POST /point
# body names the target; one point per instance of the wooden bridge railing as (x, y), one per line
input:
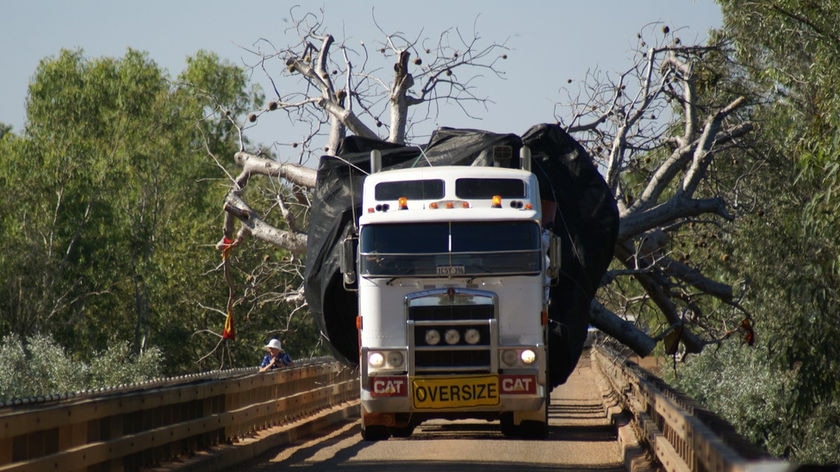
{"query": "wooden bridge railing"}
(682, 435)
(131, 430)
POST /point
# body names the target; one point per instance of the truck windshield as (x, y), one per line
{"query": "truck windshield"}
(450, 249)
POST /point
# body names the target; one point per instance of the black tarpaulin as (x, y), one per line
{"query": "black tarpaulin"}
(586, 218)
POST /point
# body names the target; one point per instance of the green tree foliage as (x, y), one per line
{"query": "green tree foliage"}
(108, 206)
(739, 384)
(37, 365)
(785, 392)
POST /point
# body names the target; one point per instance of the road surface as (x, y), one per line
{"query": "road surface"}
(580, 439)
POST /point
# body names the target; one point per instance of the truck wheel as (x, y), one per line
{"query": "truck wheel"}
(529, 429)
(402, 432)
(374, 433)
(508, 428)
(533, 429)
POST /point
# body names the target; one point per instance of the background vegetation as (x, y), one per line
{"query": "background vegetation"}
(112, 204)
(111, 208)
(784, 392)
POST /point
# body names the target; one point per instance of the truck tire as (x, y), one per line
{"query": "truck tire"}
(531, 429)
(374, 433)
(402, 432)
(507, 426)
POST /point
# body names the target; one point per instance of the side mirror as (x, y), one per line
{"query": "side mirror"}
(555, 256)
(348, 259)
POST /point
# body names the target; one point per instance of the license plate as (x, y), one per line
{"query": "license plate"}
(451, 270)
(455, 392)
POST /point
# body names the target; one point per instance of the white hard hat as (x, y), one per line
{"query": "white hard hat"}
(274, 343)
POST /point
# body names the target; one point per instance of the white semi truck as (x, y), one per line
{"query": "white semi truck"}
(452, 269)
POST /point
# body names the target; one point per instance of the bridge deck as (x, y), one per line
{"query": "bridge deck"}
(581, 438)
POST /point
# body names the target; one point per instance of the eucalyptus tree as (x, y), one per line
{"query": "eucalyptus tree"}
(108, 208)
(785, 56)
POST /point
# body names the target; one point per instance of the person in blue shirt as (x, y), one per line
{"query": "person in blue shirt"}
(276, 357)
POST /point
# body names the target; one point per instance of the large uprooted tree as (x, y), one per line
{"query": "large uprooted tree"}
(653, 132)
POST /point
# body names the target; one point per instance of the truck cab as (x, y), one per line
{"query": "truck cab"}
(452, 269)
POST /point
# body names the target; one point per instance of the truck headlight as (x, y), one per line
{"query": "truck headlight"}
(376, 359)
(528, 356)
(386, 359)
(518, 357)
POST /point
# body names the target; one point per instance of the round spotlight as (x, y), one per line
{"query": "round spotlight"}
(376, 359)
(432, 337)
(452, 336)
(395, 359)
(472, 336)
(528, 356)
(509, 357)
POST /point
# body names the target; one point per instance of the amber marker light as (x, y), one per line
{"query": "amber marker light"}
(433, 205)
(496, 201)
(403, 203)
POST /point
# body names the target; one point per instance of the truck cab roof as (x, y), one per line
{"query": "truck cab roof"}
(451, 193)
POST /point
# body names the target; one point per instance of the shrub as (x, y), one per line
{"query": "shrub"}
(741, 385)
(38, 366)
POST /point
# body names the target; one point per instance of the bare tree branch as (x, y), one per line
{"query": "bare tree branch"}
(643, 128)
(634, 224)
(294, 242)
(628, 123)
(252, 164)
(624, 330)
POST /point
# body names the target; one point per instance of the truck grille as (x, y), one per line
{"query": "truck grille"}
(446, 361)
(452, 331)
(451, 312)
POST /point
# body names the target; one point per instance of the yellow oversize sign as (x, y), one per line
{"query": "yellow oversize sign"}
(455, 392)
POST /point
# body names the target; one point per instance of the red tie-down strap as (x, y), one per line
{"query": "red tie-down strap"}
(229, 332)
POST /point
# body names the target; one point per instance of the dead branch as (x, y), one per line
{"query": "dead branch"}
(623, 330)
(237, 208)
(251, 164)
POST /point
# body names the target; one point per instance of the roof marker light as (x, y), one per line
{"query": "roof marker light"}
(496, 201)
(450, 205)
(433, 205)
(403, 202)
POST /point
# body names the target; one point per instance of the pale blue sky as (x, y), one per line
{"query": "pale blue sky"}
(551, 41)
